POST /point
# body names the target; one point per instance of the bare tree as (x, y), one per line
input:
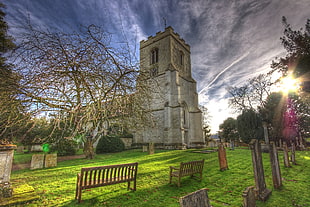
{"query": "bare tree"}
(252, 94)
(79, 78)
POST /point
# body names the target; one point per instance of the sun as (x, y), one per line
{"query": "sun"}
(289, 84)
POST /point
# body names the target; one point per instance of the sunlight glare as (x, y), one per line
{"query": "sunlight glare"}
(288, 84)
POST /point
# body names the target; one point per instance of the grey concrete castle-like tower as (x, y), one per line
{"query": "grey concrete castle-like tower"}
(165, 58)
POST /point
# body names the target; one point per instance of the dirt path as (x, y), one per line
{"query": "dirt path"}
(59, 159)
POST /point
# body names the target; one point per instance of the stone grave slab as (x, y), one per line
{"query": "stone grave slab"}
(222, 157)
(196, 199)
(37, 161)
(249, 197)
(50, 160)
(20, 149)
(151, 148)
(275, 166)
(144, 148)
(285, 155)
(261, 191)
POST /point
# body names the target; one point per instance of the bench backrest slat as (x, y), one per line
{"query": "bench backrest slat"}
(191, 167)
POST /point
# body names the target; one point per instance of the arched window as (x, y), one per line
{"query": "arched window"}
(154, 56)
(181, 58)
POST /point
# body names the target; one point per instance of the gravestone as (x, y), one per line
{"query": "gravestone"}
(293, 149)
(20, 149)
(222, 157)
(36, 148)
(151, 148)
(50, 160)
(196, 199)
(144, 148)
(249, 197)
(285, 155)
(301, 144)
(275, 166)
(261, 191)
(37, 161)
(6, 160)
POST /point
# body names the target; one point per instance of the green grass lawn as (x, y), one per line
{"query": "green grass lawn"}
(56, 186)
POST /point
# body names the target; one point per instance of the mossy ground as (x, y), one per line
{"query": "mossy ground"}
(56, 186)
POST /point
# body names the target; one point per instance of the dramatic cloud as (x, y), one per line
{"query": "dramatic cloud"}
(231, 40)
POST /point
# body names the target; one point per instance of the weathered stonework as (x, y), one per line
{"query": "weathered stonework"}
(177, 120)
(261, 191)
(37, 161)
(249, 199)
(275, 166)
(222, 157)
(50, 160)
(6, 161)
(198, 198)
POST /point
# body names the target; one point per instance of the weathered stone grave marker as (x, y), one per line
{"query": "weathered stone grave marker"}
(37, 161)
(50, 160)
(151, 148)
(6, 160)
(20, 149)
(261, 191)
(275, 166)
(285, 155)
(144, 148)
(249, 197)
(293, 149)
(196, 199)
(222, 157)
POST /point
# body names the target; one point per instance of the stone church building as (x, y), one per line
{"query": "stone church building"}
(177, 120)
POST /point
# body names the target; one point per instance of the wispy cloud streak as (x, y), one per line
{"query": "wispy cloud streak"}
(223, 71)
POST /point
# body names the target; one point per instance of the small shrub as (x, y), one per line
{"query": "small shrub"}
(110, 144)
(64, 147)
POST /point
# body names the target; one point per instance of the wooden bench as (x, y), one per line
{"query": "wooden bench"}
(187, 169)
(92, 177)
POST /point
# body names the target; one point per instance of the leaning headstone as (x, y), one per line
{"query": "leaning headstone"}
(6, 161)
(261, 191)
(50, 160)
(285, 155)
(144, 148)
(196, 199)
(275, 166)
(151, 148)
(37, 161)
(293, 149)
(249, 197)
(222, 157)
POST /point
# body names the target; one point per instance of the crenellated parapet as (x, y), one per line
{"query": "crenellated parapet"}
(160, 35)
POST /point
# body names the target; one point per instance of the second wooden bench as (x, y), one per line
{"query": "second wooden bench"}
(187, 169)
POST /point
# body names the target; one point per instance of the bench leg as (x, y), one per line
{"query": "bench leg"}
(79, 195)
(134, 185)
(128, 185)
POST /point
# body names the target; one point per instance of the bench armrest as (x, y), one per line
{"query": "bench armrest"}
(173, 168)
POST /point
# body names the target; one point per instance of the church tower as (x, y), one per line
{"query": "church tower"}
(165, 59)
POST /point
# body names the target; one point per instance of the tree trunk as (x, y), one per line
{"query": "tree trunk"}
(88, 150)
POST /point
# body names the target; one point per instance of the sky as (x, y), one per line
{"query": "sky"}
(231, 40)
